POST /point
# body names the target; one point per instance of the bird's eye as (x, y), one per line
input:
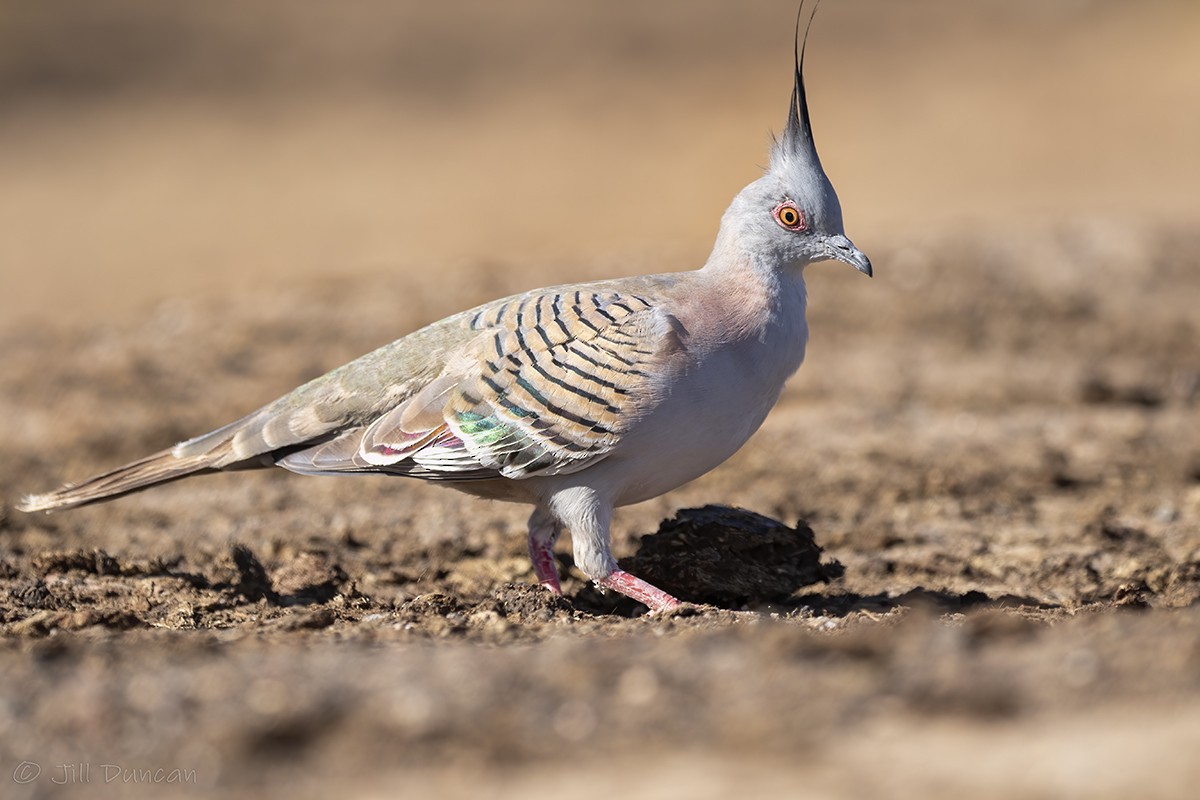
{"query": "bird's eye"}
(789, 217)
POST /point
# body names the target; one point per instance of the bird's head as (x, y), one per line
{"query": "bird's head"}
(791, 215)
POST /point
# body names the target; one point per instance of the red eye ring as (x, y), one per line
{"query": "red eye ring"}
(789, 217)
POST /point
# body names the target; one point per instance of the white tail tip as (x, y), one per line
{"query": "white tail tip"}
(36, 502)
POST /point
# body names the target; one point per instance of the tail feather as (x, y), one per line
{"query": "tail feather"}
(162, 467)
(227, 448)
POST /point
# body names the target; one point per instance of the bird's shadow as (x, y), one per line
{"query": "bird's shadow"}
(831, 604)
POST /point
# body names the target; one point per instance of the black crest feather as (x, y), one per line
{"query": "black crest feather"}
(797, 136)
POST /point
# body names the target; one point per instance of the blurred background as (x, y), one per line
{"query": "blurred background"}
(152, 150)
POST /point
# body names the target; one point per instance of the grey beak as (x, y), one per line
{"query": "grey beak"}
(842, 249)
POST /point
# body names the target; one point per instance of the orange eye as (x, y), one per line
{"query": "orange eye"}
(789, 217)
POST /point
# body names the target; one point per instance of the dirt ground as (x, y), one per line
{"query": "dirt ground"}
(961, 558)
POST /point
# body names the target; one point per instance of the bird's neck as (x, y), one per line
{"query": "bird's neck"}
(750, 297)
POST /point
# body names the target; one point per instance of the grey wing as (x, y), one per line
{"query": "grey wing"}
(548, 384)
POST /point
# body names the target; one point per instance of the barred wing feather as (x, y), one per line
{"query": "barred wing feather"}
(549, 385)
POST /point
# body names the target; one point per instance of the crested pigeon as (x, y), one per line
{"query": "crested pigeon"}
(574, 399)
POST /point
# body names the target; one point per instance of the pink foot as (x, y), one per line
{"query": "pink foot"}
(632, 586)
(541, 553)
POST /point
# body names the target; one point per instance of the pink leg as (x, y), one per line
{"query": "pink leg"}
(633, 586)
(543, 531)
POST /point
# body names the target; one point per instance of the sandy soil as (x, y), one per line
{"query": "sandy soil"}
(967, 562)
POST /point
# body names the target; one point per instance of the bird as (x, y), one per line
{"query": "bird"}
(575, 399)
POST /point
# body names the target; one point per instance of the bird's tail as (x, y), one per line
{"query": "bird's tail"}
(162, 467)
(208, 453)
